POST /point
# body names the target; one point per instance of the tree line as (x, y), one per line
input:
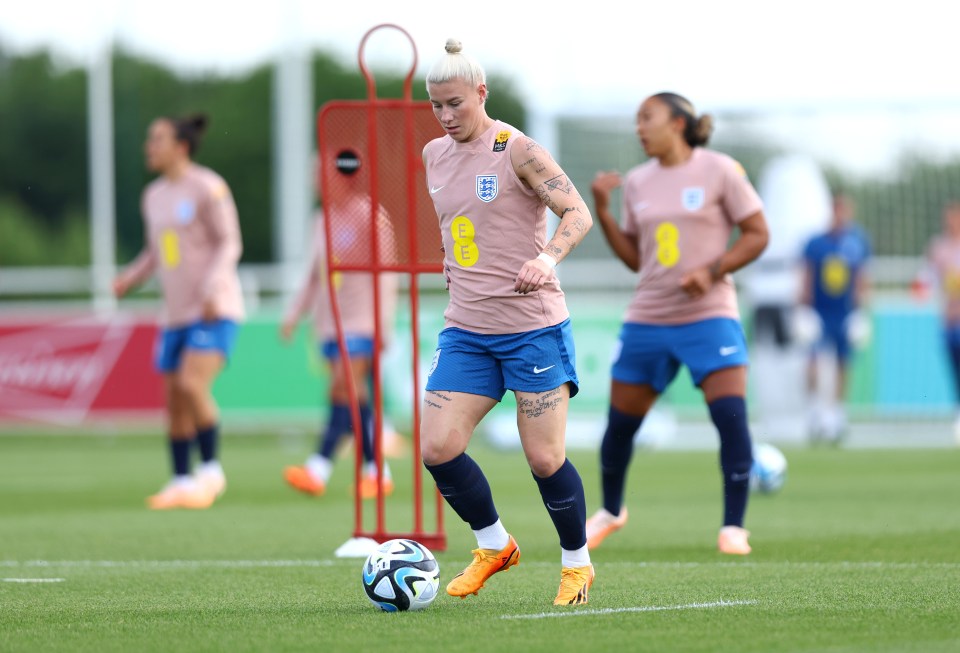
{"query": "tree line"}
(44, 154)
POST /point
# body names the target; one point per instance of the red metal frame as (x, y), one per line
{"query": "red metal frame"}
(437, 539)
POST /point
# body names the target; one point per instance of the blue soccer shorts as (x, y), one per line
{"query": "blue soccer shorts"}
(834, 335)
(651, 354)
(489, 365)
(357, 347)
(218, 335)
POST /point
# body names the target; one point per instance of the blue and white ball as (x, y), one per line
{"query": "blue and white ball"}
(769, 471)
(401, 575)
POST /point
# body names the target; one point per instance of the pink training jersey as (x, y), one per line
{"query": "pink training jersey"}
(683, 217)
(944, 256)
(491, 224)
(193, 241)
(354, 292)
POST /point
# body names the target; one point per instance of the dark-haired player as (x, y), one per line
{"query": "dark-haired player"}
(680, 210)
(193, 244)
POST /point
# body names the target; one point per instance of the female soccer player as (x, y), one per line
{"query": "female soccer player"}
(193, 242)
(355, 300)
(507, 324)
(943, 268)
(681, 208)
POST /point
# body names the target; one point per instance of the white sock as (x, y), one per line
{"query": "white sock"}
(493, 536)
(578, 558)
(212, 467)
(183, 480)
(370, 469)
(319, 467)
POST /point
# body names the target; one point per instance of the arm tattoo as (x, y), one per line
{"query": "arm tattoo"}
(535, 163)
(533, 146)
(545, 198)
(531, 408)
(560, 183)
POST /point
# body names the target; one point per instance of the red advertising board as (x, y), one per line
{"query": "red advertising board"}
(71, 370)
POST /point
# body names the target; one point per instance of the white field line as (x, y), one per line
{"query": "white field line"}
(253, 564)
(165, 564)
(646, 608)
(32, 580)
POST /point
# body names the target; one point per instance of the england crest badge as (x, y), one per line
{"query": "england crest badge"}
(692, 198)
(487, 187)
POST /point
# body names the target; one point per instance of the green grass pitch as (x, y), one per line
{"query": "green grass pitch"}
(859, 552)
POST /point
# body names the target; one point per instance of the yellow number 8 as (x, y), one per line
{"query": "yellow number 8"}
(464, 249)
(668, 252)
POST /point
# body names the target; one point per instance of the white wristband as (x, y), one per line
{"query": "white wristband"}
(546, 258)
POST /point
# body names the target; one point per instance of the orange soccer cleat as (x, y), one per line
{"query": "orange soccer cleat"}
(181, 494)
(486, 562)
(368, 487)
(300, 478)
(733, 540)
(575, 585)
(601, 524)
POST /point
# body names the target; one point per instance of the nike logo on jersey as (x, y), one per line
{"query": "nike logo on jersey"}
(727, 351)
(436, 189)
(640, 206)
(538, 370)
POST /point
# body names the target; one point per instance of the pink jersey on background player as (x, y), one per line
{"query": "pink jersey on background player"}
(684, 216)
(485, 241)
(193, 240)
(354, 290)
(944, 257)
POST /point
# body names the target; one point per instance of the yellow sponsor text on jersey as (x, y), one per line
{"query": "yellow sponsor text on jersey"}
(668, 244)
(465, 250)
(170, 248)
(836, 275)
(951, 284)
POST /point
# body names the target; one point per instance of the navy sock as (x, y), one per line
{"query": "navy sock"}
(207, 442)
(729, 414)
(615, 453)
(562, 494)
(463, 485)
(366, 418)
(338, 424)
(955, 367)
(180, 453)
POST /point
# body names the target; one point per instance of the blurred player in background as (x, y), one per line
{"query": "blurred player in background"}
(943, 270)
(507, 324)
(193, 242)
(680, 210)
(355, 300)
(835, 286)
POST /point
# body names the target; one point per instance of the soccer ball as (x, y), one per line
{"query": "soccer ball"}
(401, 575)
(769, 471)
